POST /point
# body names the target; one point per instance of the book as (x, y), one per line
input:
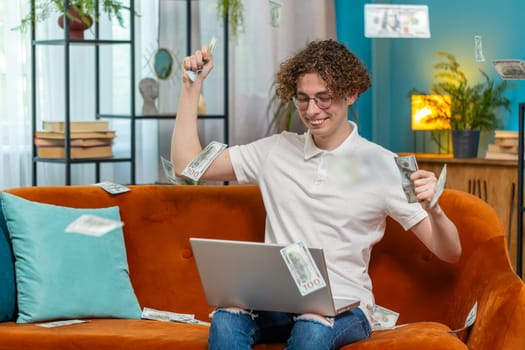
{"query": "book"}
(74, 142)
(501, 155)
(511, 149)
(505, 134)
(75, 135)
(76, 152)
(506, 142)
(77, 126)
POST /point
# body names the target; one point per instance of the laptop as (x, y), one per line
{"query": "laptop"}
(254, 276)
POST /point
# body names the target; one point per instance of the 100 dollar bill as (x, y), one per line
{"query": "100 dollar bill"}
(407, 165)
(383, 318)
(200, 164)
(168, 170)
(93, 225)
(302, 267)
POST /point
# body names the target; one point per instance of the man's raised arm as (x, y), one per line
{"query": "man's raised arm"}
(185, 144)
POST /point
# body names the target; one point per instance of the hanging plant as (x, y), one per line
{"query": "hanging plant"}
(85, 8)
(233, 9)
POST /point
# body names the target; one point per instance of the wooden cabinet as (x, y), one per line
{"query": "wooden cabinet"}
(494, 181)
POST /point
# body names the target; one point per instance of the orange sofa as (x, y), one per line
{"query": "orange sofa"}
(432, 297)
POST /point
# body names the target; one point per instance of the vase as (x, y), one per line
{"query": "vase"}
(77, 23)
(465, 143)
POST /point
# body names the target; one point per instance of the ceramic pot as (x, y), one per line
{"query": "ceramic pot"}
(76, 25)
(465, 143)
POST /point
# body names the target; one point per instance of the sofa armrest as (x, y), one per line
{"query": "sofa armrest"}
(487, 278)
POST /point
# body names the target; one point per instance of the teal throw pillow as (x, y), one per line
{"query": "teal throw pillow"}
(7, 275)
(63, 275)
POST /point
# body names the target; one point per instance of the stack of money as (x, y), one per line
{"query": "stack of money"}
(407, 165)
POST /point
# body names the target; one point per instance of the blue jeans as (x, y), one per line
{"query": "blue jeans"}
(232, 330)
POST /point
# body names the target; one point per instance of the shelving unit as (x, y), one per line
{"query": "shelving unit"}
(189, 49)
(96, 44)
(132, 116)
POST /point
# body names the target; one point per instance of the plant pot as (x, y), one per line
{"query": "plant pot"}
(465, 143)
(77, 23)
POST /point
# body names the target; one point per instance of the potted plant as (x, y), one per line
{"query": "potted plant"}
(282, 112)
(80, 13)
(235, 12)
(471, 108)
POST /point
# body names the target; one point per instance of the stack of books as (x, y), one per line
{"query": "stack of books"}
(505, 145)
(88, 139)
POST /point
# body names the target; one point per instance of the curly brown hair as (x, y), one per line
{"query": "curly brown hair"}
(342, 71)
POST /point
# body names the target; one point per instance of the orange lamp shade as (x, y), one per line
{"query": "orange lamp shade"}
(430, 112)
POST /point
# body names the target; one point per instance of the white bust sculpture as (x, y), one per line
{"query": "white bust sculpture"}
(149, 89)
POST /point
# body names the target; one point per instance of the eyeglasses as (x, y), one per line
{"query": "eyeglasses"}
(302, 101)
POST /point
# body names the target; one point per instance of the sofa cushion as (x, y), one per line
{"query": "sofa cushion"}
(106, 334)
(63, 275)
(413, 336)
(7, 274)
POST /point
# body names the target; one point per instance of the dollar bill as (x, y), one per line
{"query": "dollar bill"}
(93, 225)
(168, 316)
(212, 44)
(275, 13)
(383, 318)
(478, 49)
(471, 317)
(211, 48)
(469, 321)
(440, 186)
(510, 69)
(396, 21)
(54, 324)
(302, 267)
(407, 165)
(112, 188)
(200, 164)
(168, 170)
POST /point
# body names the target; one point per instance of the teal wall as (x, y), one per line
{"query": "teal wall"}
(398, 65)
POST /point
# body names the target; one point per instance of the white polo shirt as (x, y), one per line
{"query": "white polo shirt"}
(336, 200)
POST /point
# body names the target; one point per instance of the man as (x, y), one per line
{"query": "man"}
(329, 188)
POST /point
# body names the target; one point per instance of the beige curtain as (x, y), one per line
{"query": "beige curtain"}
(260, 49)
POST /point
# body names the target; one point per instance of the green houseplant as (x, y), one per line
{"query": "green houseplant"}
(473, 107)
(82, 11)
(282, 112)
(235, 12)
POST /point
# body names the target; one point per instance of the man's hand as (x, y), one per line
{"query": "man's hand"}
(201, 63)
(424, 186)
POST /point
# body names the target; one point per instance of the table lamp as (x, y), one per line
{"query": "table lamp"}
(431, 113)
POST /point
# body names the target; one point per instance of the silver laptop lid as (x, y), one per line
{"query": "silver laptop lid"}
(254, 276)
